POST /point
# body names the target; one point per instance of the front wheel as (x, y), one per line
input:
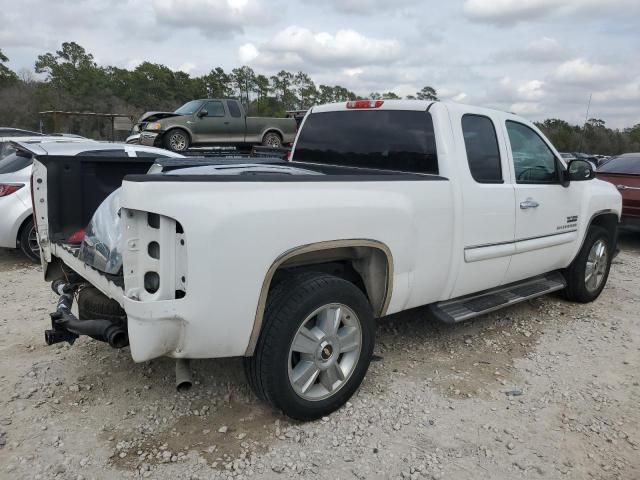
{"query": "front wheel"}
(588, 273)
(315, 346)
(176, 140)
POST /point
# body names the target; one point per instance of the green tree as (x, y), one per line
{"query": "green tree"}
(427, 93)
(215, 84)
(305, 88)
(73, 71)
(282, 86)
(244, 81)
(7, 76)
(390, 96)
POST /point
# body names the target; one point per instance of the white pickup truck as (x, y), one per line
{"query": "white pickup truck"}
(385, 206)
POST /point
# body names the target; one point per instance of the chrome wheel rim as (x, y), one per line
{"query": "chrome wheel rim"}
(32, 240)
(596, 269)
(273, 141)
(324, 352)
(178, 141)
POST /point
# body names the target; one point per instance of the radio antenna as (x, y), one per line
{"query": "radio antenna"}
(584, 127)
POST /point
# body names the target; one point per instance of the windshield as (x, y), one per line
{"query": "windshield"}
(189, 108)
(382, 139)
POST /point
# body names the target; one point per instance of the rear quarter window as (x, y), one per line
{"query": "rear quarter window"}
(381, 139)
(12, 163)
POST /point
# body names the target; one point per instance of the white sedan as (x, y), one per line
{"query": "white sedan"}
(16, 223)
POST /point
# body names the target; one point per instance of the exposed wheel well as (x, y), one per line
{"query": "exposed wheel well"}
(272, 131)
(366, 264)
(608, 221)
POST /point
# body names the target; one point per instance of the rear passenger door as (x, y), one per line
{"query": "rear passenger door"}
(488, 203)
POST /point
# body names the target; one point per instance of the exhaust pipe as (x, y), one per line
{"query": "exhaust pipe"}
(184, 379)
(67, 328)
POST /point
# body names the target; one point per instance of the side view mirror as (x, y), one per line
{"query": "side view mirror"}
(579, 170)
(202, 113)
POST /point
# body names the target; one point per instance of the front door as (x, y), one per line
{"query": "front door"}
(211, 124)
(488, 199)
(546, 211)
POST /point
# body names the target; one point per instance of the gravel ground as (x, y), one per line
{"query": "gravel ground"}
(546, 389)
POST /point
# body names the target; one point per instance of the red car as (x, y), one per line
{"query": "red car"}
(624, 172)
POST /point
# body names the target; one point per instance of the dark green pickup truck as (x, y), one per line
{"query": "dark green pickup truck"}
(208, 122)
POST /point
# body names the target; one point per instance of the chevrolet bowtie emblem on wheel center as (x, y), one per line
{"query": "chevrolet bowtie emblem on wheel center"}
(327, 351)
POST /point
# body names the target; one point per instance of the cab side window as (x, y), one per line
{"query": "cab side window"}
(533, 160)
(483, 153)
(214, 109)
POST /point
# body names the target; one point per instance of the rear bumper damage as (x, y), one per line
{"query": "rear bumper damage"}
(65, 327)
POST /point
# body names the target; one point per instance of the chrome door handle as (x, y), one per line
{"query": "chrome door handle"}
(528, 203)
(625, 187)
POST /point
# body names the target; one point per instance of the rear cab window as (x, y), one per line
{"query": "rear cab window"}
(399, 140)
(483, 152)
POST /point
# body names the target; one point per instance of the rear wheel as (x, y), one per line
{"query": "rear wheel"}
(588, 273)
(28, 241)
(315, 346)
(176, 140)
(272, 139)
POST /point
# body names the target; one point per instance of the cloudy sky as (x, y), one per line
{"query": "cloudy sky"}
(539, 58)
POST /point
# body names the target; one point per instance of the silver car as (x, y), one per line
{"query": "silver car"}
(16, 223)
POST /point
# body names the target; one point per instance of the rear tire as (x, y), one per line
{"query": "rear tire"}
(587, 275)
(28, 241)
(176, 140)
(336, 357)
(272, 139)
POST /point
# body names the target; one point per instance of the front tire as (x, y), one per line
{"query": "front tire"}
(28, 241)
(315, 346)
(176, 140)
(588, 273)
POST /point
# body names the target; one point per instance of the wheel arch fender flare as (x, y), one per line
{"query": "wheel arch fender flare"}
(370, 258)
(607, 219)
(179, 127)
(272, 130)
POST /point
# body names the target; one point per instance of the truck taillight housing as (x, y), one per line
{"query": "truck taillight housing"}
(9, 188)
(365, 103)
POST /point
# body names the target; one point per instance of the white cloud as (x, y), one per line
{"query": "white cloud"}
(213, 18)
(364, 7)
(346, 48)
(506, 12)
(526, 91)
(581, 72)
(544, 49)
(525, 108)
(247, 53)
(628, 94)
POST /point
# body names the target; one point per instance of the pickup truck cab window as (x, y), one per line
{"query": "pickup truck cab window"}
(533, 160)
(214, 109)
(234, 109)
(384, 139)
(189, 108)
(483, 153)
